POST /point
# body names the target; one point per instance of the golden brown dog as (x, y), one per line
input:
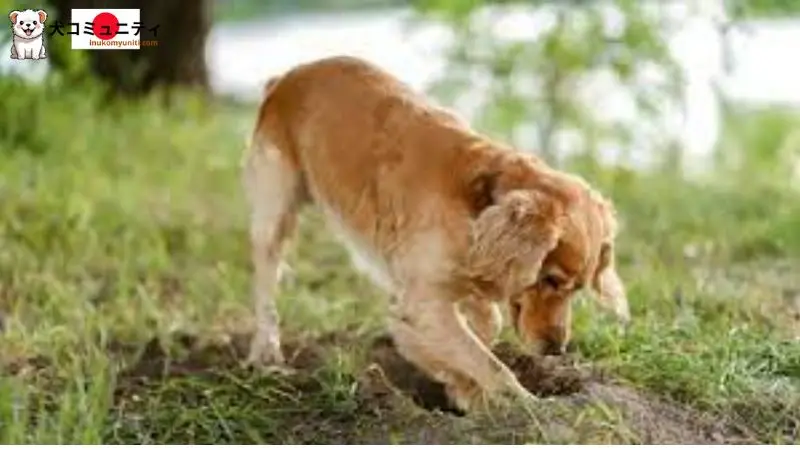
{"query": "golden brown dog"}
(447, 221)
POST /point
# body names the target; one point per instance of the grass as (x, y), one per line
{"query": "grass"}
(124, 296)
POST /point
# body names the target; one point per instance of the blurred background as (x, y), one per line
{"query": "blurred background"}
(122, 223)
(640, 83)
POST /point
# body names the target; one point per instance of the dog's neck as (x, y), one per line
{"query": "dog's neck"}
(32, 38)
(492, 170)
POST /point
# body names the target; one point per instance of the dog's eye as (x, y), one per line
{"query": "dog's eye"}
(34, 22)
(551, 282)
(21, 22)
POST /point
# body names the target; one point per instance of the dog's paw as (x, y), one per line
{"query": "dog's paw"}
(260, 356)
(282, 370)
(473, 399)
(267, 358)
(465, 397)
(269, 365)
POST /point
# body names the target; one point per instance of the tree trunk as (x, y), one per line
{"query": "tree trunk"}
(177, 60)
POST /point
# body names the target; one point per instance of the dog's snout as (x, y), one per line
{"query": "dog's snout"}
(553, 343)
(553, 348)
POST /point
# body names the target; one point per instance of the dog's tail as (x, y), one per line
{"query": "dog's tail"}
(266, 91)
(255, 137)
(267, 130)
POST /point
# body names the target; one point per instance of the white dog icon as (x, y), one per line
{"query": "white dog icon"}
(27, 27)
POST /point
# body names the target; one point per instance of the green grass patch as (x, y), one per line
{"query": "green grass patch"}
(123, 231)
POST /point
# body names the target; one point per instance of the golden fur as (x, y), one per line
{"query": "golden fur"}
(446, 220)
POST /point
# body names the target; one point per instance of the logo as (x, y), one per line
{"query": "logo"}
(105, 29)
(27, 27)
(90, 29)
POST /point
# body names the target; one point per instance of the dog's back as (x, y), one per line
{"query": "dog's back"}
(378, 159)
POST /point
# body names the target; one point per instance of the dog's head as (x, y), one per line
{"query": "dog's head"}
(542, 244)
(28, 24)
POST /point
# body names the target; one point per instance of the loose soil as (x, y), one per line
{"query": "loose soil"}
(387, 401)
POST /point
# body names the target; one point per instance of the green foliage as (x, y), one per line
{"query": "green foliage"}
(15, 128)
(235, 10)
(534, 82)
(28, 117)
(761, 9)
(5, 31)
(761, 142)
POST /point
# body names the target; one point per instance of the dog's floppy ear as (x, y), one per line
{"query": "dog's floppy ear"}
(42, 15)
(512, 233)
(13, 16)
(606, 281)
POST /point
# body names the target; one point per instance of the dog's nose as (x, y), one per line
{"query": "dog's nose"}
(553, 341)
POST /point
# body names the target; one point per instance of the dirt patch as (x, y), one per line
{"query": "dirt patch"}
(406, 378)
(544, 378)
(186, 355)
(192, 392)
(658, 421)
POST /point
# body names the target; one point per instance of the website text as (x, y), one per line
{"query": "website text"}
(102, 43)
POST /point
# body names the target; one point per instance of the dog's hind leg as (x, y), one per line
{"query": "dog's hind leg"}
(272, 185)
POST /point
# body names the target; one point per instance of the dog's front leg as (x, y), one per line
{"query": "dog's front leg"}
(429, 332)
(484, 318)
(20, 49)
